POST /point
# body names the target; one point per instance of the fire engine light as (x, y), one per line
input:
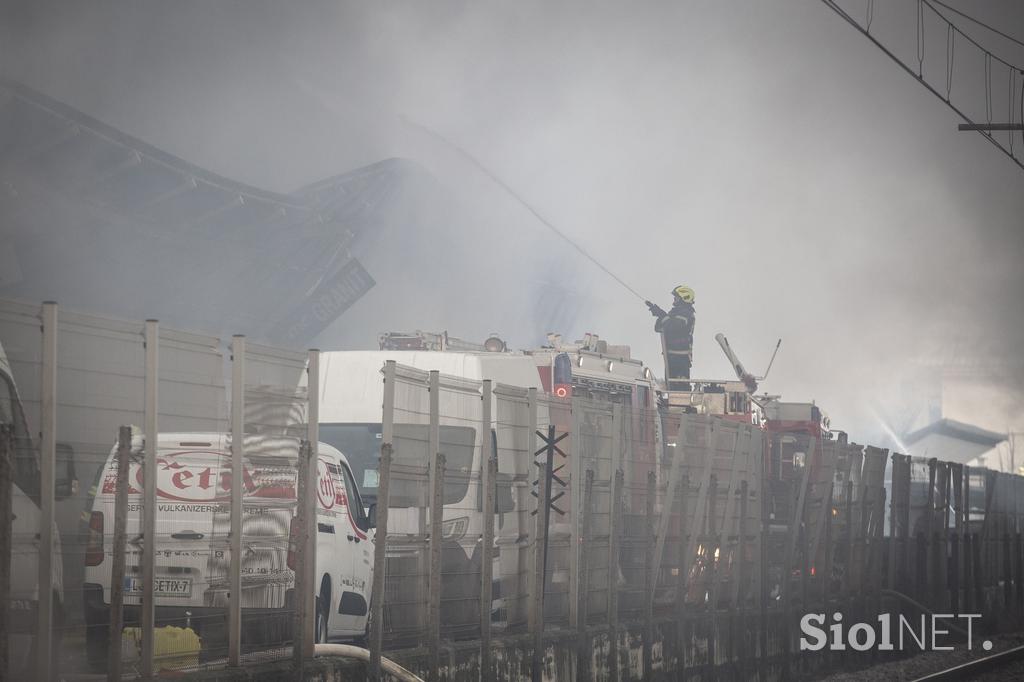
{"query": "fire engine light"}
(610, 365)
(561, 392)
(494, 344)
(579, 361)
(648, 374)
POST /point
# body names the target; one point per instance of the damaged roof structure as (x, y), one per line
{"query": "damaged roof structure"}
(93, 215)
(106, 223)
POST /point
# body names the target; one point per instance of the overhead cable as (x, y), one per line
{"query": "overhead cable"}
(976, 21)
(959, 108)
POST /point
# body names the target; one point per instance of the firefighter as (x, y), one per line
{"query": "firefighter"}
(676, 329)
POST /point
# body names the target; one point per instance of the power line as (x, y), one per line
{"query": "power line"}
(976, 21)
(544, 221)
(920, 78)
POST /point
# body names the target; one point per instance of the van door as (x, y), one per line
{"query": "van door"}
(353, 605)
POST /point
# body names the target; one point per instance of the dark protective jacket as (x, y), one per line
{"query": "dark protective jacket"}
(676, 329)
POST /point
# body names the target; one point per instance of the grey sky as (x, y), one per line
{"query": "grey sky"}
(762, 152)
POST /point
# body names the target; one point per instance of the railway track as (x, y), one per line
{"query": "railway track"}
(972, 669)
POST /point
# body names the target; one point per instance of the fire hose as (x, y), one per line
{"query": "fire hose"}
(348, 651)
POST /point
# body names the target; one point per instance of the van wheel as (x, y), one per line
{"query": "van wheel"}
(323, 613)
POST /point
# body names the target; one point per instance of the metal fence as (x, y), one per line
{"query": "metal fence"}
(599, 512)
(500, 512)
(108, 418)
(619, 517)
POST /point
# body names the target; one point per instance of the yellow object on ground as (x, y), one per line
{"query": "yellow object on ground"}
(173, 647)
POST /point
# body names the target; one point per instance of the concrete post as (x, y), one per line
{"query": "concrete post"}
(6, 515)
(118, 556)
(148, 612)
(237, 467)
(47, 471)
(379, 563)
(488, 476)
(436, 513)
(305, 611)
(380, 533)
(309, 560)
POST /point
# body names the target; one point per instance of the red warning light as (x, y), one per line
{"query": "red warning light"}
(562, 391)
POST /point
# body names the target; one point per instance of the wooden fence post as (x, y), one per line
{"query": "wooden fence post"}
(739, 601)
(762, 596)
(648, 636)
(303, 523)
(124, 453)
(947, 488)
(904, 520)
(1007, 574)
(979, 576)
(6, 515)
(928, 587)
(540, 566)
(968, 552)
(890, 565)
(1018, 580)
(434, 607)
(380, 536)
(967, 542)
(380, 539)
(956, 546)
(583, 652)
(489, 477)
(681, 579)
(613, 573)
(712, 546)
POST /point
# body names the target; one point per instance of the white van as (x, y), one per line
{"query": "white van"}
(27, 516)
(192, 558)
(350, 419)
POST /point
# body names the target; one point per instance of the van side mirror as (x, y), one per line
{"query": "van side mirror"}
(371, 515)
(66, 483)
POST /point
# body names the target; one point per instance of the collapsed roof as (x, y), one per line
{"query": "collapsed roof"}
(103, 222)
(99, 219)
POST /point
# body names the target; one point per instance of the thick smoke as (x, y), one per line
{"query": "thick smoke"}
(763, 153)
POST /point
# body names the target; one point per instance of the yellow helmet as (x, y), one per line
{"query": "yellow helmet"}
(684, 292)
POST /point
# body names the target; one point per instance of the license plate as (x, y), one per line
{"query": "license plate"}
(162, 587)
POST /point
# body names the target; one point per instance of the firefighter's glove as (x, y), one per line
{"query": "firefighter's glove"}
(655, 310)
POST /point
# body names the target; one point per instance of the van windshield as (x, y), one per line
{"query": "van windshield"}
(360, 443)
